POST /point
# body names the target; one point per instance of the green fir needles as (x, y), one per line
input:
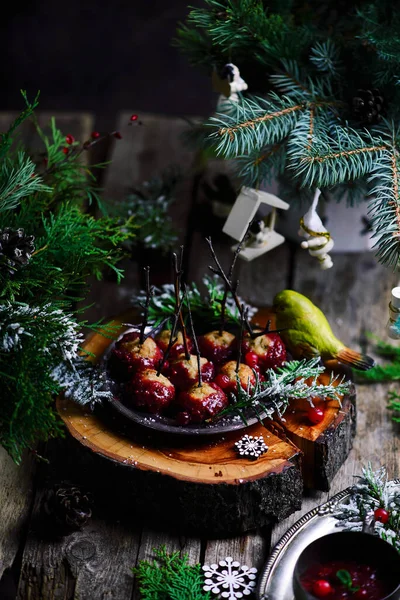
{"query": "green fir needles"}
(50, 246)
(322, 105)
(170, 577)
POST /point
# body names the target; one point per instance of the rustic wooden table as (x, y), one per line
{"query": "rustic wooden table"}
(95, 563)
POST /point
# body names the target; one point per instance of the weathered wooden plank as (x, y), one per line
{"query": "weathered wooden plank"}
(92, 564)
(354, 295)
(16, 488)
(250, 549)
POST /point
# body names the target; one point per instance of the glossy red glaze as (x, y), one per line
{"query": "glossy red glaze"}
(218, 348)
(245, 373)
(201, 403)
(269, 349)
(177, 349)
(132, 357)
(184, 373)
(149, 392)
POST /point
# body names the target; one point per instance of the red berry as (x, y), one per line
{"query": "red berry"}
(95, 135)
(134, 118)
(65, 150)
(251, 359)
(222, 381)
(382, 515)
(315, 415)
(361, 594)
(322, 588)
(69, 139)
(117, 135)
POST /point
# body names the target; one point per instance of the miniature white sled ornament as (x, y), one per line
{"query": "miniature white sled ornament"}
(319, 241)
(262, 237)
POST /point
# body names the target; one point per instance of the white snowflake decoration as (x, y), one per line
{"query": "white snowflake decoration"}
(230, 579)
(251, 446)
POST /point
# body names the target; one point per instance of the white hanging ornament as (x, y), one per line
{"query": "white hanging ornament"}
(393, 324)
(318, 239)
(242, 219)
(229, 83)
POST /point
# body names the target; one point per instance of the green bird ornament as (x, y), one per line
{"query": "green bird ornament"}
(306, 332)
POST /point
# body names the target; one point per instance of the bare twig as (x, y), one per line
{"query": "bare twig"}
(177, 265)
(195, 342)
(172, 338)
(149, 293)
(242, 324)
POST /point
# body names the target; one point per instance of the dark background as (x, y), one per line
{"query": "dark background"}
(100, 57)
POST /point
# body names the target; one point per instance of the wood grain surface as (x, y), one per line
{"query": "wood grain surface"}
(354, 295)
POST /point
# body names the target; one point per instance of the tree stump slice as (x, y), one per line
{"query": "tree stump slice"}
(201, 482)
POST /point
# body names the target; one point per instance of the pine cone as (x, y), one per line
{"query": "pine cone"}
(368, 106)
(67, 507)
(16, 249)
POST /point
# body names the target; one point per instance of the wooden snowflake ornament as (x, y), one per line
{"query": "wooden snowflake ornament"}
(251, 446)
(229, 579)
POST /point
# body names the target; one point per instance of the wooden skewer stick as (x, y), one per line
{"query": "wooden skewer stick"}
(149, 292)
(172, 338)
(198, 355)
(177, 286)
(242, 324)
(230, 286)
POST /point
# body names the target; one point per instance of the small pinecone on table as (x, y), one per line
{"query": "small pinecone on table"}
(66, 508)
(369, 106)
(16, 249)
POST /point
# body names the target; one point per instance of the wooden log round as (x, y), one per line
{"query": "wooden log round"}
(201, 482)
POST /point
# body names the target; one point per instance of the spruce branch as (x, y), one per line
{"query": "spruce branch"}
(295, 379)
(370, 492)
(170, 576)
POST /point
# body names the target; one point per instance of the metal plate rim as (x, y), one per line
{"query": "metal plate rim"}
(280, 547)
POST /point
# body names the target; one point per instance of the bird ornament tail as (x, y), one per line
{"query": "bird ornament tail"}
(354, 359)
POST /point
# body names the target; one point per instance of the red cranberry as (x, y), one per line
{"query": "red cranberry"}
(69, 139)
(251, 359)
(134, 118)
(95, 135)
(65, 150)
(315, 415)
(382, 515)
(322, 588)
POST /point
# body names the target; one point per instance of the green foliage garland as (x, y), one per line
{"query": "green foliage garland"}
(40, 331)
(170, 577)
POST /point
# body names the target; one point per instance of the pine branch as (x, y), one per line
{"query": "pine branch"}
(257, 123)
(18, 180)
(170, 577)
(372, 491)
(7, 137)
(295, 379)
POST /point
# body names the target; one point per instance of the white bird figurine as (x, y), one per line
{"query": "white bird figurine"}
(318, 239)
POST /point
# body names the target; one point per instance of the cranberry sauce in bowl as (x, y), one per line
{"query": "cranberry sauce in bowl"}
(348, 565)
